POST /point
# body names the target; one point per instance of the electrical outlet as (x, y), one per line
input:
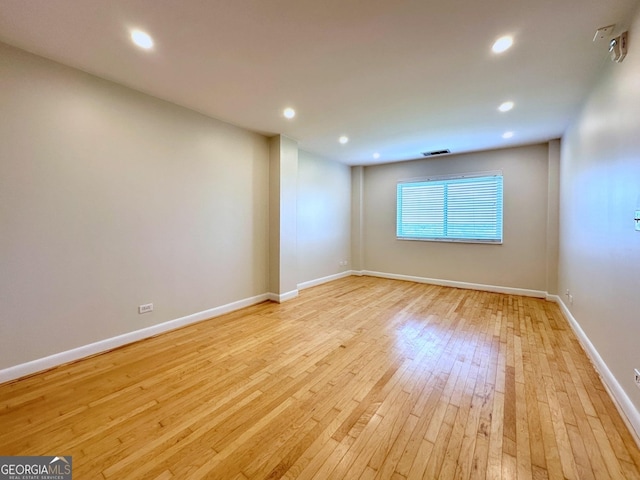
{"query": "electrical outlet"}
(145, 308)
(637, 377)
(570, 299)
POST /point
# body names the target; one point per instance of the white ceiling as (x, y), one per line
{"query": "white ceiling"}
(398, 77)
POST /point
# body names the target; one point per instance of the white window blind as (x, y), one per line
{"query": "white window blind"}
(464, 209)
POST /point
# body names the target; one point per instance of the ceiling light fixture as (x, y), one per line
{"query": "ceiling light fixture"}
(502, 44)
(506, 135)
(142, 39)
(376, 155)
(505, 106)
(289, 113)
(343, 139)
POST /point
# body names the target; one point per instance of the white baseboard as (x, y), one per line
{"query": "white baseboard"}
(450, 283)
(320, 281)
(627, 410)
(555, 299)
(283, 297)
(101, 346)
(621, 400)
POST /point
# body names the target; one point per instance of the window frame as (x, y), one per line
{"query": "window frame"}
(448, 212)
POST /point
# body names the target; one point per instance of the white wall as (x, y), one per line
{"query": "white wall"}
(110, 199)
(600, 190)
(324, 215)
(521, 262)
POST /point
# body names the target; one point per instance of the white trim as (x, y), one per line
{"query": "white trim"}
(450, 283)
(435, 178)
(628, 412)
(621, 400)
(101, 346)
(283, 297)
(320, 281)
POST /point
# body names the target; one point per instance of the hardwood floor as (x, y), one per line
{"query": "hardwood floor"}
(360, 378)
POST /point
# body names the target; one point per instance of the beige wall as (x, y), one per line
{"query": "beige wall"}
(600, 190)
(110, 199)
(553, 216)
(283, 181)
(521, 262)
(324, 215)
(357, 218)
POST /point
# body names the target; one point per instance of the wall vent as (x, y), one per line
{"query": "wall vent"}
(436, 152)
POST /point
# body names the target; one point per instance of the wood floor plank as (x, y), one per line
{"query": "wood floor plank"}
(421, 459)
(552, 460)
(361, 377)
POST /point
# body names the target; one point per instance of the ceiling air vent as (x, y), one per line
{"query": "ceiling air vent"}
(436, 152)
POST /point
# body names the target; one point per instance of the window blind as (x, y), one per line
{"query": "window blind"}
(465, 209)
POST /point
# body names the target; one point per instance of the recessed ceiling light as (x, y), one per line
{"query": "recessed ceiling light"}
(506, 106)
(376, 155)
(502, 44)
(343, 139)
(142, 39)
(507, 135)
(289, 113)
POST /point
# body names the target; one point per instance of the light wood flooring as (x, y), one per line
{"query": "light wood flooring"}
(360, 378)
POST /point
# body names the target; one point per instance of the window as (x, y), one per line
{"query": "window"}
(460, 209)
